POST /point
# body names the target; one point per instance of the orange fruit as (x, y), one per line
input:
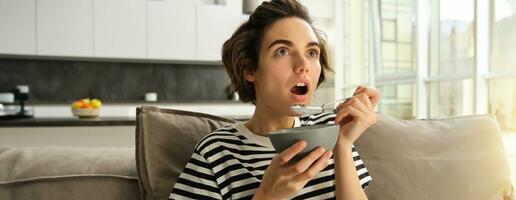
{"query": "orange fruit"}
(87, 106)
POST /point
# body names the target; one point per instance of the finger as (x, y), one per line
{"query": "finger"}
(347, 103)
(358, 89)
(289, 153)
(315, 168)
(344, 119)
(348, 111)
(340, 106)
(372, 93)
(358, 102)
(342, 102)
(366, 101)
(304, 163)
(343, 112)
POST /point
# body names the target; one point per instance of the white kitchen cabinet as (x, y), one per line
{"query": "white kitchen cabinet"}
(171, 30)
(119, 28)
(215, 24)
(133, 29)
(65, 27)
(18, 27)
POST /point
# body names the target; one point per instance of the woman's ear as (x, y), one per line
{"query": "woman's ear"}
(248, 74)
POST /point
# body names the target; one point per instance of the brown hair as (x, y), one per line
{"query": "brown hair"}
(240, 53)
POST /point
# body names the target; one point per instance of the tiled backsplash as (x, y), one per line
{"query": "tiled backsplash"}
(62, 81)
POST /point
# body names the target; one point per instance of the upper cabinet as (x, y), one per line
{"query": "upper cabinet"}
(65, 27)
(215, 24)
(18, 27)
(171, 30)
(122, 29)
(119, 28)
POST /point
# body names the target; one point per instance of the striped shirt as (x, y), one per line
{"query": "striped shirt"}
(230, 162)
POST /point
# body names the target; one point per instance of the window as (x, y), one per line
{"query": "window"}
(450, 84)
(356, 41)
(456, 38)
(462, 62)
(502, 102)
(502, 70)
(504, 30)
(397, 100)
(451, 98)
(395, 77)
(396, 40)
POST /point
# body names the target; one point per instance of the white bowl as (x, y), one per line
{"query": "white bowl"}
(324, 135)
(86, 113)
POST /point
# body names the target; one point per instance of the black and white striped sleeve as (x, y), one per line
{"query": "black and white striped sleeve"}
(363, 174)
(197, 181)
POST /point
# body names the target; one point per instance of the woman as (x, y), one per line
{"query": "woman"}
(276, 60)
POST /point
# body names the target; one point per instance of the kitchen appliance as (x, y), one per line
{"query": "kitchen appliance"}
(14, 104)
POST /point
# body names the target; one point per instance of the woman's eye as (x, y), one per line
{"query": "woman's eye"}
(281, 52)
(313, 53)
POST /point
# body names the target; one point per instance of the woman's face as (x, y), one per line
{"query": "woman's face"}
(288, 66)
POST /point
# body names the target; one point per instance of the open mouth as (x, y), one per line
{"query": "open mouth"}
(299, 89)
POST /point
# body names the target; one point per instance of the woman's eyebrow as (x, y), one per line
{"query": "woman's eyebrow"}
(289, 43)
(311, 44)
(286, 42)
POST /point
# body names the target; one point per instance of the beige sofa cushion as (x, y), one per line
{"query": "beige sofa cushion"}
(55, 173)
(165, 140)
(458, 158)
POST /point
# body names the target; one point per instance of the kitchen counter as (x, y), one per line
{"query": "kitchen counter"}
(123, 114)
(73, 121)
(54, 125)
(224, 109)
(68, 121)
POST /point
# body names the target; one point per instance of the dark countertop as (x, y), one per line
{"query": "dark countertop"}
(62, 122)
(156, 103)
(47, 122)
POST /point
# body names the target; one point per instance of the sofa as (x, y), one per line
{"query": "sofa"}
(454, 158)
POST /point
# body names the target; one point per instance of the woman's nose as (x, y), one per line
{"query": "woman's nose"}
(301, 64)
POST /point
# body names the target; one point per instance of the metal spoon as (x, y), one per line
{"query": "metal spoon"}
(303, 110)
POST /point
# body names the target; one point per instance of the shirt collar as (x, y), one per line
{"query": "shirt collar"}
(258, 139)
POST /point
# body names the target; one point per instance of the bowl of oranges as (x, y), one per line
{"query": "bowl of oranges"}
(86, 108)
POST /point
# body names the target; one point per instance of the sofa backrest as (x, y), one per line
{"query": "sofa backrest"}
(455, 158)
(165, 140)
(79, 173)
(458, 158)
